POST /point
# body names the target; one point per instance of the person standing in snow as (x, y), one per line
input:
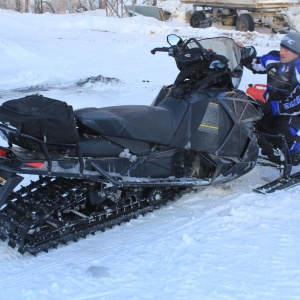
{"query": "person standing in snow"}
(282, 108)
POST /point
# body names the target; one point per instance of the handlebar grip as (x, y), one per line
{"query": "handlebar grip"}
(221, 58)
(162, 49)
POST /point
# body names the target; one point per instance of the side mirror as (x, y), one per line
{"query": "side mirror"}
(174, 39)
(236, 76)
(247, 55)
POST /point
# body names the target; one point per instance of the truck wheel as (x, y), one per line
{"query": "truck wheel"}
(196, 18)
(245, 23)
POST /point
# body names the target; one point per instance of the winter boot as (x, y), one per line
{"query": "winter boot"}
(265, 146)
(295, 158)
(276, 156)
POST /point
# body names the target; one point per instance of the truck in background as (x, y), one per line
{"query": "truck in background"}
(244, 14)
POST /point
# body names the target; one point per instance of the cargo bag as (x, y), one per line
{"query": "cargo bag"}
(46, 119)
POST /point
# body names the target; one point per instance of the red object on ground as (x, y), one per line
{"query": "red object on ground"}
(256, 91)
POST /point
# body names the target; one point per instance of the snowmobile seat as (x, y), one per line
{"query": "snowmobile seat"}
(139, 122)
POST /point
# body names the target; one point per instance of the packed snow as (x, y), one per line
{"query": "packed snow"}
(223, 242)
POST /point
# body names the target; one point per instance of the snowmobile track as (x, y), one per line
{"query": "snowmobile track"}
(53, 211)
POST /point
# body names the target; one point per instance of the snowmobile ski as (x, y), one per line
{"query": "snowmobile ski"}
(279, 184)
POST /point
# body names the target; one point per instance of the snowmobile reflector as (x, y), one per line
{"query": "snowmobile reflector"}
(3, 153)
(2, 180)
(36, 165)
(6, 153)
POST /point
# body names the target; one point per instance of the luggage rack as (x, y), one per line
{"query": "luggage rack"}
(8, 132)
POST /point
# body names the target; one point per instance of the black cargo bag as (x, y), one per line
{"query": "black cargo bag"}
(46, 119)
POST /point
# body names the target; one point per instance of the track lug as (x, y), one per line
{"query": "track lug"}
(12, 244)
(41, 215)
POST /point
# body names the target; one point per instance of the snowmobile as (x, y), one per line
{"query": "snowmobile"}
(99, 167)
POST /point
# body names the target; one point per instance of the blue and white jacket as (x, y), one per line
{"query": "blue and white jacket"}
(283, 82)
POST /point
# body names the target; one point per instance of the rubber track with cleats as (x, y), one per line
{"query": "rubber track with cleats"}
(54, 211)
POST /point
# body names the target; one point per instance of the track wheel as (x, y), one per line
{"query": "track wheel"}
(245, 23)
(196, 19)
(99, 195)
(156, 196)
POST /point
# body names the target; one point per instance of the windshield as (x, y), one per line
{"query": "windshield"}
(222, 46)
(194, 53)
(227, 47)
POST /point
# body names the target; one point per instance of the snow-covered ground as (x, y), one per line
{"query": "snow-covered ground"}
(225, 242)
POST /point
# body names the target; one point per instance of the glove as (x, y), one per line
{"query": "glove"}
(272, 108)
(247, 55)
(267, 109)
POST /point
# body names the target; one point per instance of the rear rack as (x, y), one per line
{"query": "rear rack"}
(8, 132)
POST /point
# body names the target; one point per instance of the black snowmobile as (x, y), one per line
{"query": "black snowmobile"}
(99, 167)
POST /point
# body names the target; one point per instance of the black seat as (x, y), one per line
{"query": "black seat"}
(140, 122)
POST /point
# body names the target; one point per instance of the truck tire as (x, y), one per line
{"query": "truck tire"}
(245, 23)
(196, 18)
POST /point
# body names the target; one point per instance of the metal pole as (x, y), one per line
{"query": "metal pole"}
(26, 6)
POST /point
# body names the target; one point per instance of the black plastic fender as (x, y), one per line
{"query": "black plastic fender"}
(8, 181)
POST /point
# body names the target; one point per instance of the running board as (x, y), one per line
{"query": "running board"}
(163, 182)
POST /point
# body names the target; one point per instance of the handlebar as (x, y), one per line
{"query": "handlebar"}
(205, 53)
(197, 59)
(201, 48)
(162, 49)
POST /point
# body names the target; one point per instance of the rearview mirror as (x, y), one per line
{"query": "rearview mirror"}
(247, 55)
(174, 39)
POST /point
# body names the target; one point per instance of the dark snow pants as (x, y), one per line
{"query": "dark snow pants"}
(285, 125)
